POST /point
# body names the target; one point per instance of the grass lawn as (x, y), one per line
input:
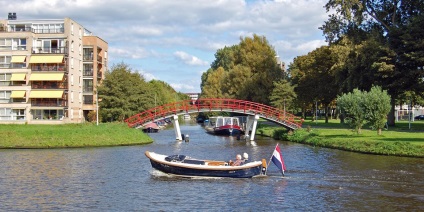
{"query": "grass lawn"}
(70, 135)
(403, 140)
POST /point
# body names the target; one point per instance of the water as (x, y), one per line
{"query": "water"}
(121, 179)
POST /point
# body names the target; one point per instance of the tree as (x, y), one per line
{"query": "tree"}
(377, 106)
(394, 28)
(212, 88)
(123, 93)
(245, 71)
(283, 95)
(365, 107)
(314, 77)
(351, 105)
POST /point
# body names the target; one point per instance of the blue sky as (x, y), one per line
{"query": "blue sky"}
(175, 40)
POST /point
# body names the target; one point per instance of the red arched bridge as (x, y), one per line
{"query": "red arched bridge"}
(208, 105)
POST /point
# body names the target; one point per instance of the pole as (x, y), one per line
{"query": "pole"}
(97, 109)
(270, 159)
(316, 112)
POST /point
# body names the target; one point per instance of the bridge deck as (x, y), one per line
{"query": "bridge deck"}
(208, 105)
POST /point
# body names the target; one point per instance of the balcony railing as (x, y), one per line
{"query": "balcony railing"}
(39, 67)
(49, 50)
(17, 65)
(29, 29)
(99, 59)
(88, 73)
(88, 58)
(88, 100)
(49, 103)
(87, 89)
(45, 85)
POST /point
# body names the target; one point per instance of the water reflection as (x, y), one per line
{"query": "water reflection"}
(121, 179)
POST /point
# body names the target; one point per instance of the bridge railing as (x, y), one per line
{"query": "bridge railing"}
(205, 105)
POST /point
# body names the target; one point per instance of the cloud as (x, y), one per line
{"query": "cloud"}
(157, 36)
(182, 86)
(190, 59)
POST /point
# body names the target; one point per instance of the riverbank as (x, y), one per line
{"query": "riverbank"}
(397, 141)
(70, 135)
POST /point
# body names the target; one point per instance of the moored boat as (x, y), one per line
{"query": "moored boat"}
(183, 165)
(151, 128)
(223, 125)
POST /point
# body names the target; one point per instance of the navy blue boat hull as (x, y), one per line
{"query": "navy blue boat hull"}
(240, 173)
(193, 168)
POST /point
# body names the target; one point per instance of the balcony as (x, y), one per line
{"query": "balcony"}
(88, 58)
(88, 73)
(99, 59)
(49, 85)
(49, 50)
(49, 31)
(49, 103)
(49, 67)
(87, 89)
(88, 100)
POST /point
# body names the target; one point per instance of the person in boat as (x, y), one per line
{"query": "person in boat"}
(237, 162)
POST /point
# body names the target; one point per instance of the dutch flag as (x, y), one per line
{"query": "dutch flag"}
(277, 159)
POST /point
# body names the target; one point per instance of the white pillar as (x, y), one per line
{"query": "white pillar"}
(177, 128)
(249, 122)
(255, 122)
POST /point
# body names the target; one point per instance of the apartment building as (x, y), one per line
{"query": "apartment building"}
(49, 70)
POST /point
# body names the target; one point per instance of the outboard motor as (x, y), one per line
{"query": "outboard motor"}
(187, 138)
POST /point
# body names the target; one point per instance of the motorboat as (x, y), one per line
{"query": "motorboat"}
(182, 165)
(224, 125)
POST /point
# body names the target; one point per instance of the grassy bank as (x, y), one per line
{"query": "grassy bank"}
(70, 135)
(399, 141)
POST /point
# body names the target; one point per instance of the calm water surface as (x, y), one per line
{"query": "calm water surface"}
(121, 179)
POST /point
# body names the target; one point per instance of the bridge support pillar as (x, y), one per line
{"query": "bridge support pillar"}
(177, 128)
(255, 123)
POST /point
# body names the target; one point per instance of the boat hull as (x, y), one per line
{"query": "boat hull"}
(200, 170)
(225, 130)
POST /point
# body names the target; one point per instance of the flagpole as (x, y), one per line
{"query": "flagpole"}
(269, 161)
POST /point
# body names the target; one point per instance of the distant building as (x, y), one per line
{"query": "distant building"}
(49, 70)
(193, 96)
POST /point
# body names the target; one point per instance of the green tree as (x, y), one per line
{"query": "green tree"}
(249, 70)
(314, 77)
(352, 106)
(123, 93)
(283, 95)
(393, 29)
(212, 88)
(377, 106)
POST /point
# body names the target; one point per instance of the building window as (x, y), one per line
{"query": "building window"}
(47, 114)
(5, 79)
(72, 96)
(5, 113)
(12, 114)
(72, 79)
(87, 85)
(72, 28)
(80, 97)
(72, 46)
(5, 61)
(5, 96)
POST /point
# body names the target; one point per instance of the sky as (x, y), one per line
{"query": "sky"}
(175, 41)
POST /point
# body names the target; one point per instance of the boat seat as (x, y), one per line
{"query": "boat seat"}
(174, 158)
(216, 163)
(197, 162)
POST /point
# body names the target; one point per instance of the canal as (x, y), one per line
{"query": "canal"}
(121, 179)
